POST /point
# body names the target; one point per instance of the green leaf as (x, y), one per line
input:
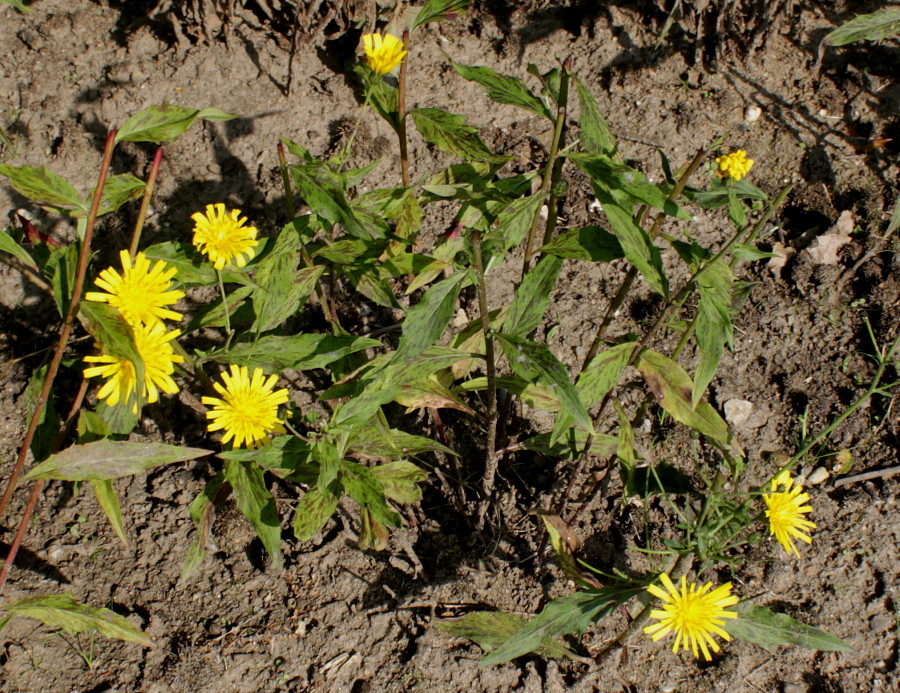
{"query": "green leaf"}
(384, 382)
(61, 268)
(329, 462)
(277, 297)
(48, 424)
(61, 611)
(313, 511)
(121, 419)
(438, 11)
(768, 629)
(44, 187)
(535, 363)
(374, 444)
(720, 191)
(490, 629)
(672, 388)
(19, 5)
(867, 27)
(106, 497)
(637, 246)
(564, 545)
(256, 504)
(118, 190)
(202, 512)
(451, 134)
(365, 488)
(299, 352)
(571, 445)
(586, 243)
(8, 245)
(319, 190)
(192, 268)
(894, 223)
(283, 456)
(570, 614)
(596, 136)
(532, 297)
(116, 338)
(164, 123)
(373, 535)
(425, 321)
(91, 427)
(400, 480)
(714, 328)
(515, 220)
(110, 459)
(610, 179)
(213, 315)
(504, 89)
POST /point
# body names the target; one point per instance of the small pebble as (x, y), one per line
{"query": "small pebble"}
(752, 114)
(817, 476)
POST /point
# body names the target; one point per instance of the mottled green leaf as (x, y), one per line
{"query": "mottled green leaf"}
(504, 89)
(875, 26)
(768, 629)
(532, 297)
(586, 243)
(164, 123)
(596, 137)
(570, 614)
(61, 611)
(313, 511)
(451, 134)
(115, 336)
(425, 321)
(365, 488)
(637, 246)
(8, 245)
(299, 352)
(673, 388)
(535, 363)
(44, 187)
(118, 190)
(110, 459)
(277, 297)
(400, 480)
(192, 268)
(438, 11)
(256, 504)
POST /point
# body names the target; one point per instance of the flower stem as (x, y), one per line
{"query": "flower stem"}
(80, 273)
(490, 467)
(401, 114)
(225, 306)
(145, 203)
(552, 170)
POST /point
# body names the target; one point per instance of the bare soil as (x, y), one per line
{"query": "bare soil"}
(339, 619)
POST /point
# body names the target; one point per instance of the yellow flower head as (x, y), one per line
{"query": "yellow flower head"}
(735, 165)
(383, 51)
(693, 613)
(153, 345)
(248, 409)
(223, 237)
(785, 509)
(140, 292)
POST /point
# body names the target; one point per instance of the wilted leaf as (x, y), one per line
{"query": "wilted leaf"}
(202, 512)
(61, 611)
(400, 480)
(673, 388)
(110, 459)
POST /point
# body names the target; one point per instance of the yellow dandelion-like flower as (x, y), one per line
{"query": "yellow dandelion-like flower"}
(223, 237)
(153, 343)
(785, 510)
(693, 613)
(140, 292)
(735, 165)
(383, 52)
(248, 409)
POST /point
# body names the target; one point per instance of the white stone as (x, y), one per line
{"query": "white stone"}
(737, 411)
